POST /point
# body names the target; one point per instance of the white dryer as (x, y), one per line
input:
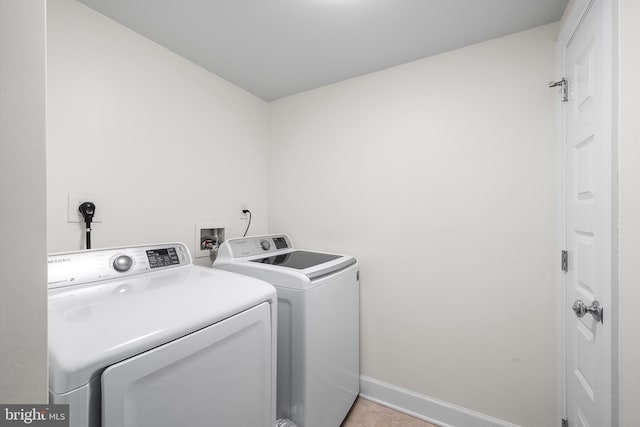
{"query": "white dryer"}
(318, 324)
(141, 337)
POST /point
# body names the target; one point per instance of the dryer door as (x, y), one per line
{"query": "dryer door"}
(220, 376)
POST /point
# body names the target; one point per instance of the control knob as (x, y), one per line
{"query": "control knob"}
(122, 263)
(265, 244)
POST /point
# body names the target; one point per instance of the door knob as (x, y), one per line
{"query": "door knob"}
(580, 308)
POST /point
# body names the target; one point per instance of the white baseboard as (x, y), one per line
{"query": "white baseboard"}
(443, 414)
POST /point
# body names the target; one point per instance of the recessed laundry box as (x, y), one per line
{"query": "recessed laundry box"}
(139, 336)
(318, 324)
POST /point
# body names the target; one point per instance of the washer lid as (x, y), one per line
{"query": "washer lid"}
(95, 325)
(298, 259)
(312, 264)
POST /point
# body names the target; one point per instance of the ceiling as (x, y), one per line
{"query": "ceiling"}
(276, 48)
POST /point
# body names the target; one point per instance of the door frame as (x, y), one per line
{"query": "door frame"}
(573, 17)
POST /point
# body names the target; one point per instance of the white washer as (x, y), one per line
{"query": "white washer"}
(318, 324)
(141, 337)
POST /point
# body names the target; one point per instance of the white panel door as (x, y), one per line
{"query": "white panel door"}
(219, 376)
(588, 222)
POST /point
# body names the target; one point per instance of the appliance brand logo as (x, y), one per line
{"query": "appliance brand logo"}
(58, 260)
(37, 415)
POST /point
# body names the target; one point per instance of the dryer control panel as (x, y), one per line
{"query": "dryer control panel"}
(76, 268)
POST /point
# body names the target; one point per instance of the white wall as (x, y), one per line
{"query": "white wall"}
(23, 267)
(439, 175)
(629, 187)
(160, 142)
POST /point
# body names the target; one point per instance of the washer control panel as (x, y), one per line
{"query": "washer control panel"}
(76, 268)
(250, 246)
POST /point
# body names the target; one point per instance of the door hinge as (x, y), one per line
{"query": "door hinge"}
(564, 263)
(564, 88)
(565, 422)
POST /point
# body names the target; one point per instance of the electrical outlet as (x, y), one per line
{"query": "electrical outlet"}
(74, 202)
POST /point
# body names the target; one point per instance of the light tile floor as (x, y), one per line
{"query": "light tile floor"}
(365, 413)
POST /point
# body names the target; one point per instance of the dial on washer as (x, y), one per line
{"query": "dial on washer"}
(265, 244)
